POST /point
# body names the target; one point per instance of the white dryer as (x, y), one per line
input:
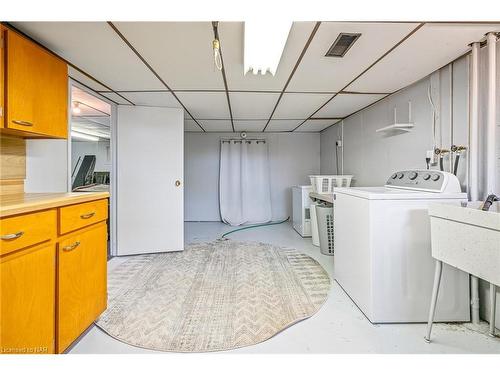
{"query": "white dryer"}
(383, 249)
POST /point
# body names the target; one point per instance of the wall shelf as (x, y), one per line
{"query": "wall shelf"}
(396, 127)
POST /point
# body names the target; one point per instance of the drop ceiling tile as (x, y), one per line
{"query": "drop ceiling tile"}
(180, 52)
(115, 97)
(205, 105)
(296, 106)
(232, 35)
(95, 48)
(343, 105)
(319, 73)
(430, 48)
(249, 125)
(316, 125)
(155, 99)
(282, 125)
(251, 105)
(216, 125)
(82, 78)
(191, 126)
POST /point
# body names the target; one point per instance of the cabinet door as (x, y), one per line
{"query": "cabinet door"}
(82, 278)
(27, 289)
(37, 89)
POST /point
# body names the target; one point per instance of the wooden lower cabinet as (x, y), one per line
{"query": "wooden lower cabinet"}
(81, 291)
(27, 293)
(52, 283)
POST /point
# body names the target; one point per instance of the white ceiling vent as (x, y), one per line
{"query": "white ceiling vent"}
(342, 44)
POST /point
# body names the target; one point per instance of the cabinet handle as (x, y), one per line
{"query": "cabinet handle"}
(12, 236)
(23, 123)
(87, 216)
(71, 247)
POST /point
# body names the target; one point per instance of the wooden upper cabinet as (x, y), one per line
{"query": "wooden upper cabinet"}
(36, 97)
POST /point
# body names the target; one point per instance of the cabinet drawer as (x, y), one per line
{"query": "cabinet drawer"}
(81, 289)
(27, 287)
(81, 215)
(21, 231)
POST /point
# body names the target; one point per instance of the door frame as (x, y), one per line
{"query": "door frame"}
(112, 147)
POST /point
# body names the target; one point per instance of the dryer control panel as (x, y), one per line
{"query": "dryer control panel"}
(424, 180)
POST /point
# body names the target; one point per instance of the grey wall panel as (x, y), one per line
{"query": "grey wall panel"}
(292, 157)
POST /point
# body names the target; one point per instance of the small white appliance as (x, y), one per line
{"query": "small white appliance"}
(301, 216)
(383, 249)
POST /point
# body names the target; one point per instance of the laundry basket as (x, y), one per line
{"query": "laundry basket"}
(324, 184)
(314, 224)
(324, 216)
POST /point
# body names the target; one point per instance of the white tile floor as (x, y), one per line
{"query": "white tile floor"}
(339, 327)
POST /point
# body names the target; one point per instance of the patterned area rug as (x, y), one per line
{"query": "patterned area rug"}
(212, 296)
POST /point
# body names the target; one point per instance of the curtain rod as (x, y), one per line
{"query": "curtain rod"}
(242, 139)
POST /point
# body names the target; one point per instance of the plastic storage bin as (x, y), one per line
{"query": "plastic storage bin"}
(314, 224)
(324, 184)
(324, 216)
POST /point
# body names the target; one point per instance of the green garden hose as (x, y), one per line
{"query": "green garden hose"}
(252, 226)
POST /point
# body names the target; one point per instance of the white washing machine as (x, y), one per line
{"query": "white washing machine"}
(383, 249)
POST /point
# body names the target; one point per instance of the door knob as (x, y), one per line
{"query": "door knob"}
(177, 183)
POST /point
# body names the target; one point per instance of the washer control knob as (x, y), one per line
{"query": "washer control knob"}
(427, 176)
(394, 176)
(400, 175)
(413, 175)
(435, 177)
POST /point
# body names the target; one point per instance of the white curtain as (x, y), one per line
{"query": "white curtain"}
(244, 186)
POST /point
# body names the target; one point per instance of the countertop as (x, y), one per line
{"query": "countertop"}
(15, 204)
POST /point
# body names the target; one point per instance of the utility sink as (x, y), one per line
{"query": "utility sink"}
(467, 238)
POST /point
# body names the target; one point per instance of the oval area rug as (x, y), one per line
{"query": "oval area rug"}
(212, 296)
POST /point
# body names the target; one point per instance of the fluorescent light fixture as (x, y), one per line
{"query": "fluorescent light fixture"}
(84, 137)
(264, 44)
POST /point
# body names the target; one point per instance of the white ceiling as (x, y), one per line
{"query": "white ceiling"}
(251, 105)
(249, 125)
(316, 125)
(231, 37)
(205, 105)
(343, 105)
(319, 73)
(299, 106)
(429, 49)
(384, 59)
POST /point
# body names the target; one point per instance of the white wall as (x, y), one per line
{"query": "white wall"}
(46, 166)
(371, 157)
(100, 149)
(293, 158)
(328, 153)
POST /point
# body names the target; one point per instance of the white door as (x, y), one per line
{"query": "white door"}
(150, 192)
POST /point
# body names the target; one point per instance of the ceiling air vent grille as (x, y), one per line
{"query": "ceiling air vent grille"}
(342, 44)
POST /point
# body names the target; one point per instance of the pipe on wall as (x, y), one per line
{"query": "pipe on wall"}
(473, 160)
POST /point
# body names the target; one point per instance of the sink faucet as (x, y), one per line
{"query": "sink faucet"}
(489, 201)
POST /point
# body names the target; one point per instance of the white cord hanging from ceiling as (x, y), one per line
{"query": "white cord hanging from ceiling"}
(216, 46)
